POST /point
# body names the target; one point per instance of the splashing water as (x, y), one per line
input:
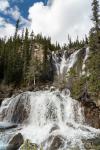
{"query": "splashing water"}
(52, 114)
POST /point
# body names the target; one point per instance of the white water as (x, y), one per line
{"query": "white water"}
(49, 110)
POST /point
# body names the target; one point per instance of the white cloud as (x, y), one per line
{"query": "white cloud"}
(60, 18)
(6, 29)
(4, 4)
(15, 14)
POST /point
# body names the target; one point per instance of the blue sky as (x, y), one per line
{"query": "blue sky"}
(23, 6)
(54, 18)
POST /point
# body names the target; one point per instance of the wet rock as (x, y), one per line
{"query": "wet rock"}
(66, 92)
(70, 125)
(19, 108)
(6, 126)
(22, 109)
(15, 142)
(28, 145)
(55, 127)
(57, 143)
(84, 129)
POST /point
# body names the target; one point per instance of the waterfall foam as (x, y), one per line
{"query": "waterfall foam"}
(52, 114)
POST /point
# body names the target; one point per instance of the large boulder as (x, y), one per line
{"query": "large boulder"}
(15, 142)
(55, 127)
(16, 109)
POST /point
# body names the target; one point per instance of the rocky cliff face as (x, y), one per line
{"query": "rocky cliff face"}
(38, 53)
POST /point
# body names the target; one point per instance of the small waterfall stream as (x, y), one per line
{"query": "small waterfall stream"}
(85, 59)
(45, 116)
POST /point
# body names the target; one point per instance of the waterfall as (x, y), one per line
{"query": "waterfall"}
(48, 117)
(52, 114)
(56, 110)
(65, 64)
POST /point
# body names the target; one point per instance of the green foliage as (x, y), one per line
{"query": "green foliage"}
(96, 15)
(94, 38)
(77, 44)
(78, 87)
(78, 83)
(29, 146)
(18, 64)
(94, 71)
(94, 59)
(91, 80)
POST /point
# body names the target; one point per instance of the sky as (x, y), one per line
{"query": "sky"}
(54, 18)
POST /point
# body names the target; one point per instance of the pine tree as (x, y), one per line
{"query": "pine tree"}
(17, 27)
(96, 15)
(94, 39)
(70, 41)
(27, 50)
(86, 39)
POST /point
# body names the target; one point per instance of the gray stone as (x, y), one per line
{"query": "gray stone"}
(15, 142)
(57, 143)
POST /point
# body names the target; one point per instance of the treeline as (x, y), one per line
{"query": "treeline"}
(17, 64)
(77, 44)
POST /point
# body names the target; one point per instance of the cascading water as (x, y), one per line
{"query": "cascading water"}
(48, 118)
(52, 114)
(84, 61)
(63, 64)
